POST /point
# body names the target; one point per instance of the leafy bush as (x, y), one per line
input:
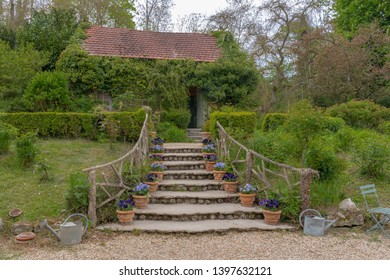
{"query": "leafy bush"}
(239, 123)
(180, 117)
(77, 194)
(171, 133)
(290, 201)
(273, 120)
(371, 152)
(384, 127)
(206, 126)
(48, 91)
(345, 138)
(334, 124)
(26, 148)
(321, 155)
(360, 114)
(7, 133)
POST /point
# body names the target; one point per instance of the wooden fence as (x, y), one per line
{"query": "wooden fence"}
(258, 167)
(109, 176)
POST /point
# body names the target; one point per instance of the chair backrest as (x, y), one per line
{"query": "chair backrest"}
(369, 191)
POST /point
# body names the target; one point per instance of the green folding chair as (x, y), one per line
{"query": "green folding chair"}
(379, 214)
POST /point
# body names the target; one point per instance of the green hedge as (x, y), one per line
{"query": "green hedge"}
(74, 125)
(180, 117)
(238, 124)
(273, 121)
(334, 124)
(360, 114)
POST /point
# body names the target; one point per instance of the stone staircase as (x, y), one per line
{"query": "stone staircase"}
(195, 134)
(190, 200)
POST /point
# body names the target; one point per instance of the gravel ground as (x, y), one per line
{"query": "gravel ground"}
(338, 244)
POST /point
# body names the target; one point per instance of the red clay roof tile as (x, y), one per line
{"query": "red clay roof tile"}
(103, 41)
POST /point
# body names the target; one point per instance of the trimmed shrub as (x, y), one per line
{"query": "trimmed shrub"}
(26, 148)
(345, 138)
(7, 133)
(274, 120)
(77, 193)
(75, 125)
(321, 155)
(171, 133)
(360, 114)
(180, 117)
(371, 152)
(239, 124)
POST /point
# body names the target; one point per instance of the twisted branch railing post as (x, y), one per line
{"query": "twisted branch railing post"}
(261, 171)
(135, 158)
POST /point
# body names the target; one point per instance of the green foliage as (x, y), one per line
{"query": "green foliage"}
(180, 117)
(305, 123)
(345, 138)
(7, 133)
(171, 133)
(329, 192)
(276, 145)
(321, 156)
(17, 67)
(371, 152)
(384, 127)
(290, 200)
(74, 125)
(206, 126)
(274, 120)
(334, 124)
(50, 32)
(77, 193)
(48, 91)
(241, 124)
(26, 148)
(360, 114)
(350, 14)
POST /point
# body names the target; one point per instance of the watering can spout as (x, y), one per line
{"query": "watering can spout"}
(44, 224)
(329, 224)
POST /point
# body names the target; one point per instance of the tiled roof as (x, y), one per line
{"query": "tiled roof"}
(103, 41)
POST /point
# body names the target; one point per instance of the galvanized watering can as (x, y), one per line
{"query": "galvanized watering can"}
(70, 232)
(314, 225)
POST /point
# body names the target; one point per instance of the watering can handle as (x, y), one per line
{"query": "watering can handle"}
(85, 220)
(307, 210)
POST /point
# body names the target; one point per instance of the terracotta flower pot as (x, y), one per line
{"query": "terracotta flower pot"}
(210, 165)
(204, 154)
(247, 199)
(271, 217)
(160, 174)
(153, 186)
(125, 217)
(218, 175)
(206, 134)
(153, 134)
(230, 187)
(140, 201)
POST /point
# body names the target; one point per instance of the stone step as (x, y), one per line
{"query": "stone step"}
(195, 137)
(185, 165)
(182, 156)
(188, 175)
(183, 147)
(197, 212)
(190, 185)
(206, 197)
(194, 130)
(206, 226)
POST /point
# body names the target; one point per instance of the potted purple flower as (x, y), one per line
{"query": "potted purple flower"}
(210, 160)
(140, 195)
(152, 180)
(271, 210)
(125, 212)
(219, 170)
(156, 149)
(206, 141)
(156, 158)
(209, 149)
(158, 169)
(157, 141)
(230, 182)
(247, 195)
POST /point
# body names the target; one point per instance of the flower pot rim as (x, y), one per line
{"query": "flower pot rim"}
(124, 211)
(270, 211)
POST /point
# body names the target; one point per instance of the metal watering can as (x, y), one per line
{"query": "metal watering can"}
(70, 232)
(314, 225)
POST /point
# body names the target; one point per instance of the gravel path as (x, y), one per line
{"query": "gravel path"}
(340, 244)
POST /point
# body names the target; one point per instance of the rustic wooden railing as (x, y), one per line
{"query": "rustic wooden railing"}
(110, 175)
(265, 170)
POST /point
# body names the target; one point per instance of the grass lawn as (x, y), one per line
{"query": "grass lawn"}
(22, 188)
